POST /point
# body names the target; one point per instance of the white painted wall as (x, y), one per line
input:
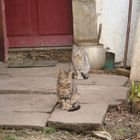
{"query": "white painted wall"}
(135, 67)
(135, 15)
(113, 15)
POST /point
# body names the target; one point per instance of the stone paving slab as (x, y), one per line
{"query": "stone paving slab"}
(94, 104)
(23, 119)
(31, 110)
(90, 116)
(27, 102)
(104, 80)
(48, 84)
(33, 72)
(102, 94)
(41, 84)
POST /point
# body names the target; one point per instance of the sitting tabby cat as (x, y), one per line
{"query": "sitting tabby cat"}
(67, 91)
(80, 62)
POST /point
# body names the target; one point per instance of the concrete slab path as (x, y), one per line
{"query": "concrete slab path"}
(27, 98)
(90, 116)
(11, 119)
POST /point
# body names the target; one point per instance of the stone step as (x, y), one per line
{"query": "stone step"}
(47, 83)
(23, 55)
(43, 103)
(89, 116)
(25, 110)
(18, 108)
(23, 119)
(95, 101)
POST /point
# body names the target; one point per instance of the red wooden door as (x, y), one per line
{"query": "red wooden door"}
(39, 22)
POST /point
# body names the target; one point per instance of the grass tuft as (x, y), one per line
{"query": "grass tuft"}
(49, 130)
(9, 138)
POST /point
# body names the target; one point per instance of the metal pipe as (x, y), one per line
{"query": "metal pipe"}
(127, 34)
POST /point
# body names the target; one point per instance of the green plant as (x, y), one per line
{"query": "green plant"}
(49, 130)
(9, 138)
(132, 91)
(138, 90)
(134, 97)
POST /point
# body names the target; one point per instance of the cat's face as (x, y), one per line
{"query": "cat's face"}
(77, 52)
(78, 56)
(64, 77)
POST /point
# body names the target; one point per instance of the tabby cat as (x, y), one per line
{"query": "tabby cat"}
(67, 91)
(80, 62)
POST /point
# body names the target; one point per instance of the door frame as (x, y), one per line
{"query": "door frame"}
(4, 45)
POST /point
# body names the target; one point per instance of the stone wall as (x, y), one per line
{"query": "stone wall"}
(23, 55)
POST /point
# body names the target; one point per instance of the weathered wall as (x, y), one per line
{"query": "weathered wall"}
(26, 55)
(84, 21)
(135, 14)
(113, 16)
(135, 69)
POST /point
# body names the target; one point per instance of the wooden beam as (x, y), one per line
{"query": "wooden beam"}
(3, 33)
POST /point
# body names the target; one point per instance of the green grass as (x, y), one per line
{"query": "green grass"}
(49, 130)
(9, 138)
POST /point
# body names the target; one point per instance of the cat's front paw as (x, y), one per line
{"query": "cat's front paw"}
(63, 108)
(79, 77)
(85, 75)
(66, 107)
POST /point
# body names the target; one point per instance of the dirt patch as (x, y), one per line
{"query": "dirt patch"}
(121, 123)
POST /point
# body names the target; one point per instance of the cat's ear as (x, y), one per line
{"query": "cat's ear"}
(75, 47)
(61, 71)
